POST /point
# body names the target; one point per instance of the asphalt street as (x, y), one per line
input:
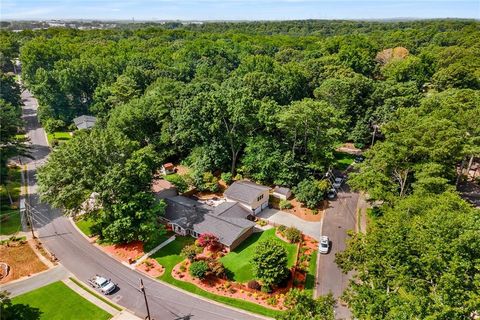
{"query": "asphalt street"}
(339, 218)
(83, 260)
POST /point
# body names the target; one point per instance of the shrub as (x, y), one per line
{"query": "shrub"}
(266, 289)
(262, 223)
(227, 177)
(285, 204)
(216, 268)
(199, 269)
(281, 228)
(238, 177)
(51, 125)
(208, 240)
(190, 252)
(293, 235)
(182, 268)
(178, 181)
(253, 284)
(210, 182)
(54, 143)
(272, 300)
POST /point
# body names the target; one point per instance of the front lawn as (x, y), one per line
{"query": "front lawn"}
(149, 245)
(169, 256)
(238, 261)
(10, 221)
(61, 136)
(85, 224)
(57, 301)
(343, 160)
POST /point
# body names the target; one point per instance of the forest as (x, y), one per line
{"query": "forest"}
(271, 101)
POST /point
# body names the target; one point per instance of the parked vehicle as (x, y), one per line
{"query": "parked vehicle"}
(324, 245)
(103, 284)
(331, 194)
(338, 182)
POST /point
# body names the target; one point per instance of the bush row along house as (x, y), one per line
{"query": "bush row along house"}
(231, 221)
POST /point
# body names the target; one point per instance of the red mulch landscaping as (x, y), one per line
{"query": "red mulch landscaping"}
(230, 289)
(125, 252)
(151, 267)
(300, 211)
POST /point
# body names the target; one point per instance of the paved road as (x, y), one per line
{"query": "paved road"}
(84, 260)
(339, 218)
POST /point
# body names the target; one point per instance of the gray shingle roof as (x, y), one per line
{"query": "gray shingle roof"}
(84, 122)
(282, 190)
(245, 191)
(227, 221)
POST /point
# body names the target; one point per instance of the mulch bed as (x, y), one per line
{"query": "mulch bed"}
(21, 259)
(230, 289)
(151, 267)
(300, 211)
(125, 252)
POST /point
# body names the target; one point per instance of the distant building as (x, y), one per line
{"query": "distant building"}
(168, 168)
(85, 122)
(282, 193)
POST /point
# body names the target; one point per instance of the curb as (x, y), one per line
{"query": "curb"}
(174, 287)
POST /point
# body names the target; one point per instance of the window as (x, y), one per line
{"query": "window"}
(260, 198)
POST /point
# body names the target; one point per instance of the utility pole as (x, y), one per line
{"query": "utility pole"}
(146, 302)
(30, 220)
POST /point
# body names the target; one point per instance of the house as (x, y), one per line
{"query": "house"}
(168, 168)
(250, 195)
(85, 122)
(282, 193)
(229, 221)
(162, 188)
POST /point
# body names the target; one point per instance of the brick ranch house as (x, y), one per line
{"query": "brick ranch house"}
(231, 221)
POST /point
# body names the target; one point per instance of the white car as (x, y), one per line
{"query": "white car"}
(324, 245)
(105, 285)
(337, 183)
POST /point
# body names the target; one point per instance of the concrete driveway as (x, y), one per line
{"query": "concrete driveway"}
(277, 217)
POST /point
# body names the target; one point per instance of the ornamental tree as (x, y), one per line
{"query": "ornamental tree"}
(208, 240)
(269, 262)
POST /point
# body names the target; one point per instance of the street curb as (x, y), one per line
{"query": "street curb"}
(172, 286)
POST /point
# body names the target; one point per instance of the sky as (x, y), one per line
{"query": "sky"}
(236, 9)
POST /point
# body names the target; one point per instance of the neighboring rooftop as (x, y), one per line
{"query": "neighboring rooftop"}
(282, 190)
(159, 185)
(227, 221)
(84, 122)
(245, 191)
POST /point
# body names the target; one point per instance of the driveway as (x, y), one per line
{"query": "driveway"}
(84, 260)
(277, 217)
(339, 218)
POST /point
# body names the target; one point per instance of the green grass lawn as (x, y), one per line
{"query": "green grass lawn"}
(238, 261)
(10, 222)
(312, 271)
(169, 256)
(149, 245)
(85, 225)
(61, 136)
(9, 214)
(343, 160)
(57, 301)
